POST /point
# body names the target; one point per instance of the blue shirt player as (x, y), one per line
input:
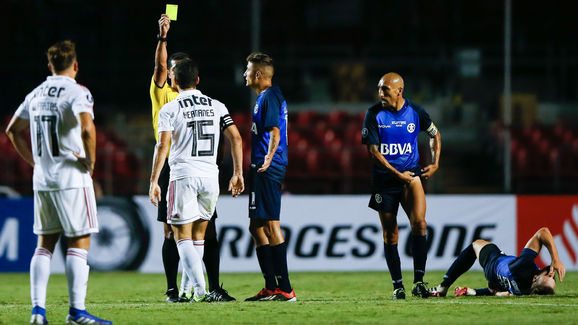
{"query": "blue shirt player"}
(268, 164)
(390, 133)
(507, 275)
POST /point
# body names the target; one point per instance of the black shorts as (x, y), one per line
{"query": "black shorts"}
(265, 196)
(488, 258)
(387, 191)
(164, 185)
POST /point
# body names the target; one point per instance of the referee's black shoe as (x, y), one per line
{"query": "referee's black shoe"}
(420, 289)
(172, 295)
(220, 294)
(399, 294)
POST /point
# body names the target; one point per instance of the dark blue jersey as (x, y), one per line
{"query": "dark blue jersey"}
(395, 133)
(515, 274)
(270, 111)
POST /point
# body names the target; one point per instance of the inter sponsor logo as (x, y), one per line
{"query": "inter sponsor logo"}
(194, 100)
(395, 148)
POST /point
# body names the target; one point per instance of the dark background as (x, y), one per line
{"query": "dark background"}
(329, 56)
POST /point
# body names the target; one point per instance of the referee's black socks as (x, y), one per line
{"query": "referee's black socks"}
(171, 262)
(393, 264)
(463, 263)
(419, 244)
(212, 260)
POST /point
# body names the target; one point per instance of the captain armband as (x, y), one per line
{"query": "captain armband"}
(432, 130)
(226, 121)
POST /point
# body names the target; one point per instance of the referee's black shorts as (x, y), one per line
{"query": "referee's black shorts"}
(164, 185)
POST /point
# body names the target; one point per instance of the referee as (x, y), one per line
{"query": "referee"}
(161, 93)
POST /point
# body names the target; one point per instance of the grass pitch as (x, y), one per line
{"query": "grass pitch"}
(323, 298)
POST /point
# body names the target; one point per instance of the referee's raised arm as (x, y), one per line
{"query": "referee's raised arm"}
(160, 72)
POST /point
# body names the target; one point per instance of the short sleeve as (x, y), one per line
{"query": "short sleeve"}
(166, 116)
(425, 122)
(270, 107)
(524, 262)
(82, 102)
(369, 132)
(22, 111)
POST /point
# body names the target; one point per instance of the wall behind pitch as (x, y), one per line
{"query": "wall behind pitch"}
(335, 233)
(340, 233)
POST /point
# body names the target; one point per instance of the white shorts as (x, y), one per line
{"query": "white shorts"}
(192, 198)
(71, 211)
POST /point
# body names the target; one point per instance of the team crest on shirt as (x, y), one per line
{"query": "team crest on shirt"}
(256, 109)
(364, 132)
(378, 198)
(410, 127)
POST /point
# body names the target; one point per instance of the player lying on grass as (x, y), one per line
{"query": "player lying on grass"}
(507, 275)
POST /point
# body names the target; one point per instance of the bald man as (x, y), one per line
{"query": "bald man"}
(390, 133)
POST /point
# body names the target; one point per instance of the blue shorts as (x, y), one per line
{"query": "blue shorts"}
(265, 195)
(387, 191)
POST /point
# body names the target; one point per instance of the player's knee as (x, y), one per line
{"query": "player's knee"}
(480, 242)
(169, 234)
(419, 227)
(390, 238)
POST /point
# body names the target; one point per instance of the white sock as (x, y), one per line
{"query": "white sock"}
(193, 265)
(39, 274)
(200, 247)
(186, 284)
(77, 275)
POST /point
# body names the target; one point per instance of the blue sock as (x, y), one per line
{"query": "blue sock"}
(280, 266)
(265, 257)
(393, 264)
(419, 244)
(463, 263)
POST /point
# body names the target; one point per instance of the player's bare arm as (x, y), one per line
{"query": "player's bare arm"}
(544, 237)
(161, 151)
(237, 183)
(160, 72)
(406, 177)
(88, 135)
(436, 147)
(274, 138)
(17, 131)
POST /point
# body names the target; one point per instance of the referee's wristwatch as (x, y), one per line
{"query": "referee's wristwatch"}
(161, 39)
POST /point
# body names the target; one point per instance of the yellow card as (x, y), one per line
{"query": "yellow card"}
(172, 11)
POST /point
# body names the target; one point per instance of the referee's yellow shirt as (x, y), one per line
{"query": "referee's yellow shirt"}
(159, 97)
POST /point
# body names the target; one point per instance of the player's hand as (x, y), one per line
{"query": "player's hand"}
(85, 162)
(266, 164)
(236, 185)
(557, 266)
(164, 25)
(429, 170)
(155, 194)
(407, 176)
